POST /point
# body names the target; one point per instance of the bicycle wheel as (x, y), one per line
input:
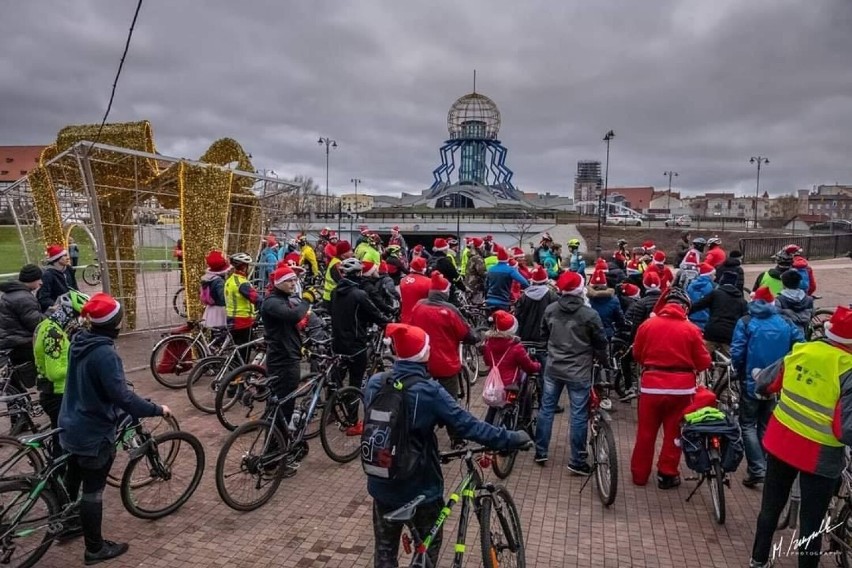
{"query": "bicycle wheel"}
(204, 380)
(179, 302)
(504, 462)
(817, 323)
(173, 358)
(241, 396)
(92, 274)
(243, 480)
(341, 424)
(500, 530)
(605, 462)
(717, 489)
(470, 360)
(158, 482)
(154, 425)
(31, 536)
(465, 384)
(16, 463)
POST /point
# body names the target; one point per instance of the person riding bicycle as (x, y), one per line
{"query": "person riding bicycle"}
(476, 272)
(543, 249)
(575, 337)
(413, 288)
(268, 258)
(429, 406)
(760, 338)
(575, 259)
(658, 265)
(443, 262)
(96, 393)
(329, 251)
(806, 435)
(20, 315)
(54, 278)
(641, 310)
(682, 247)
(50, 348)
(212, 292)
(396, 239)
(667, 384)
(498, 282)
(241, 302)
(793, 303)
(307, 256)
(603, 301)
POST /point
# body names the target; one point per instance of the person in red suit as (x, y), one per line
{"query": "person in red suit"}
(413, 288)
(658, 265)
(666, 386)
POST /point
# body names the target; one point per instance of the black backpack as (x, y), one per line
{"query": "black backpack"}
(386, 450)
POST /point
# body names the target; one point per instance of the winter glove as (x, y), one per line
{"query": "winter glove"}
(519, 440)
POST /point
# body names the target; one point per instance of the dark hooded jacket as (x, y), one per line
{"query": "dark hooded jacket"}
(575, 335)
(352, 312)
(608, 308)
(54, 283)
(376, 292)
(727, 306)
(20, 314)
(642, 308)
(529, 311)
(96, 395)
(281, 314)
(733, 265)
(796, 307)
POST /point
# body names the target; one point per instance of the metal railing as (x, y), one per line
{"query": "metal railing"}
(823, 246)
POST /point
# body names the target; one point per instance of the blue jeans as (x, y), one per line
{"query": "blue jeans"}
(578, 394)
(754, 416)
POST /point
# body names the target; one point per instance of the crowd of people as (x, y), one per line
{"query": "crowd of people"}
(421, 295)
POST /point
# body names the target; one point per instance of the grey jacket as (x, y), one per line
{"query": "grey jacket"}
(19, 315)
(575, 335)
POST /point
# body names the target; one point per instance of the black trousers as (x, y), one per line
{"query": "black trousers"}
(91, 473)
(284, 380)
(816, 496)
(241, 337)
(387, 534)
(355, 367)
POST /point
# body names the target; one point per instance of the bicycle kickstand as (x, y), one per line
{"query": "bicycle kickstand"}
(695, 490)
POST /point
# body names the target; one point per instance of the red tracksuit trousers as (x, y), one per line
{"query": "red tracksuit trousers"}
(657, 410)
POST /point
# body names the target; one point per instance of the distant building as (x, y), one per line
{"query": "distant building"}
(665, 205)
(832, 201)
(804, 222)
(636, 198)
(356, 203)
(15, 163)
(587, 181)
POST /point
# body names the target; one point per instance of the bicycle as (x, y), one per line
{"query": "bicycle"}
(600, 441)
(131, 434)
(36, 509)
(205, 378)
(501, 535)
(272, 450)
(180, 349)
(92, 274)
(721, 379)
(518, 414)
(816, 326)
(24, 414)
(179, 302)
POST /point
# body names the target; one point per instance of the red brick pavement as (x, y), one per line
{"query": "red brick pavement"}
(321, 517)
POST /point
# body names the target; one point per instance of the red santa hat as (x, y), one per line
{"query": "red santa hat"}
(649, 246)
(659, 257)
(619, 256)
(651, 280)
(216, 262)
(441, 245)
(288, 263)
(598, 279)
(793, 249)
(418, 265)
(504, 322)
(692, 257)
(517, 252)
(410, 343)
(600, 264)
(369, 268)
(477, 242)
(762, 293)
(502, 255)
(342, 248)
(570, 283)
(839, 327)
(55, 252)
(383, 267)
(293, 259)
(439, 283)
(102, 309)
(631, 290)
(283, 274)
(705, 268)
(488, 238)
(418, 248)
(539, 276)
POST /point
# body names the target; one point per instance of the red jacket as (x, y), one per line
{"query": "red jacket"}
(330, 251)
(514, 357)
(446, 329)
(671, 363)
(412, 289)
(715, 257)
(665, 274)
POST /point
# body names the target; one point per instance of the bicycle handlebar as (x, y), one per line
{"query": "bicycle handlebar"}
(447, 457)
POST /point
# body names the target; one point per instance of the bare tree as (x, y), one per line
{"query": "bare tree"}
(520, 226)
(785, 207)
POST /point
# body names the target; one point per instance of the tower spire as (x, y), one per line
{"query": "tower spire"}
(474, 81)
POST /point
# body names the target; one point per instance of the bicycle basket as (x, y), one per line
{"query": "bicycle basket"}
(693, 443)
(25, 374)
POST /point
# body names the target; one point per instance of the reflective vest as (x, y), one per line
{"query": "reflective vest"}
(452, 258)
(774, 284)
(810, 390)
(490, 261)
(237, 305)
(330, 284)
(465, 258)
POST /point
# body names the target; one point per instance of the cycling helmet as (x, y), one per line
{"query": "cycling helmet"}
(302, 239)
(678, 296)
(73, 300)
(325, 232)
(394, 248)
(574, 243)
(792, 249)
(546, 237)
(621, 242)
(714, 241)
(784, 258)
(351, 265)
(699, 241)
(452, 242)
(240, 258)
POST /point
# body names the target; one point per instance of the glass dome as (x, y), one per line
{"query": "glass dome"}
(474, 116)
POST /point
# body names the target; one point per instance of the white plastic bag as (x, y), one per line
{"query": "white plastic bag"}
(494, 393)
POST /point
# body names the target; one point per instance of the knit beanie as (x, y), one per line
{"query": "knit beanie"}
(791, 279)
(29, 273)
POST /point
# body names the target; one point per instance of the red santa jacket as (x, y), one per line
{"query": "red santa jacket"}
(715, 257)
(514, 357)
(665, 274)
(412, 289)
(446, 329)
(670, 366)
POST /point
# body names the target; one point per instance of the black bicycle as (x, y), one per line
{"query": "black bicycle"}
(519, 413)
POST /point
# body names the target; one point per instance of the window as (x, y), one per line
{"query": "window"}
(4, 172)
(10, 160)
(23, 172)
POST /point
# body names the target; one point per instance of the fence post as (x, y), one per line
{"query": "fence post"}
(742, 244)
(808, 247)
(836, 241)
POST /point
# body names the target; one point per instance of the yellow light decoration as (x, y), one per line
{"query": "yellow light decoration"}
(46, 206)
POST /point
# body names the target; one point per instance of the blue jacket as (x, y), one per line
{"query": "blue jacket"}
(609, 309)
(760, 339)
(806, 279)
(429, 406)
(696, 290)
(95, 394)
(550, 263)
(498, 283)
(577, 264)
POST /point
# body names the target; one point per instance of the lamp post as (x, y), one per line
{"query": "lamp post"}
(600, 213)
(349, 210)
(329, 143)
(449, 202)
(356, 181)
(607, 138)
(759, 160)
(669, 195)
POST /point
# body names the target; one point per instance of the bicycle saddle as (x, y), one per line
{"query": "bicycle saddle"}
(512, 388)
(41, 436)
(406, 512)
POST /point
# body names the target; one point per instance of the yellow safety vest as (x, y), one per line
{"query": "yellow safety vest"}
(465, 258)
(774, 284)
(237, 305)
(810, 390)
(330, 284)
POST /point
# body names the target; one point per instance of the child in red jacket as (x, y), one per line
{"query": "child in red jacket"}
(503, 349)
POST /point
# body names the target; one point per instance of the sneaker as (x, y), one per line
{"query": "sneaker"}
(606, 404)
(583, 470)
(628, 395)
(668, 481)
(108, 551)
(540, 459)
(355, 430)
(753, 480)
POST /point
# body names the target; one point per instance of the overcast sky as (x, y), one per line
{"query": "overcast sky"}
(696, 87)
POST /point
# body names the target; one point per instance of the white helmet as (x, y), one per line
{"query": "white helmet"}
(240, 258)
(351, 265)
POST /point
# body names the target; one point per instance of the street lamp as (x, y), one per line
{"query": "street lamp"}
(759, 160)
(448, 202)
(356, 181)
(598, 194)
(329, 143)
(669, 196)
(607, 138)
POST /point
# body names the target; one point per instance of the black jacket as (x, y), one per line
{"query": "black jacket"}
(732, 265)
(376, 292)
(281, 313)
(351, 314)
(680, 251)
(727, 306)
(529, 310)
(442, 263)
(615, 275)
(575, 335)
(53, 284)
(19, 315)
(641, 309)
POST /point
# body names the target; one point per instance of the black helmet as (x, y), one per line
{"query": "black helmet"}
(678, 296)
(621, 242)
(784, 258)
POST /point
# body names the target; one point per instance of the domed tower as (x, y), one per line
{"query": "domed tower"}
(473, 123)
